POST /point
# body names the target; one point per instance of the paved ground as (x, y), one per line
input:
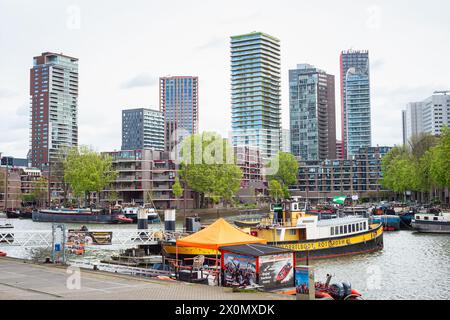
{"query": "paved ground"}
(21, 280)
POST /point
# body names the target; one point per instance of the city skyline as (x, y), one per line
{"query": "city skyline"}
(395, 79)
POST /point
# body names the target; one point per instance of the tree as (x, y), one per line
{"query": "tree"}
(57, 171)
(440, 160)
(397, 167)
(408, 168)
(423, 179)
(87, 171)
(40, 191)
(275, 190)
(287, 172)
(420, 155)
(420, 144)
(113, 196)
(177, 189)
(28, 198)
(208, 166)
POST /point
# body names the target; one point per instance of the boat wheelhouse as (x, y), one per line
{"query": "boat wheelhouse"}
(132, 213)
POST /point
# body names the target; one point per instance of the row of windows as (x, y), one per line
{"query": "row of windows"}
(427, 218)
(350, 228)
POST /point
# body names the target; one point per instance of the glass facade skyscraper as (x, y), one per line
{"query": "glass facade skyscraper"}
(178, 101)
(255, 90)
(142, 129)
(312, 113)
(355, 101)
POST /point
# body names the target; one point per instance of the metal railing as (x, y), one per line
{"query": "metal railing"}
(120, 238)
(26, 238)
(134, 271)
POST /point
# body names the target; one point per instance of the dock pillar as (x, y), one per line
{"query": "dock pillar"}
(142, 222)
(169, 220)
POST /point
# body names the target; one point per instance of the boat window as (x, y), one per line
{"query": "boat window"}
(292, 232)
(345, 229)
(341, 229)
(336, 230)
(357, 227)
(364, 226)
(435, 218)
(295, 206)
(332, 231)
(353, 228)
(418, 218)
(425, 218)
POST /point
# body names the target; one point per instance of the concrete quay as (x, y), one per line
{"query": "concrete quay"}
(23, 280)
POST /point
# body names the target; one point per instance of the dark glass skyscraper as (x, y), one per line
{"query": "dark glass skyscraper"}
(355, 101)
(312, 113)
(142, 129)
(178, 101)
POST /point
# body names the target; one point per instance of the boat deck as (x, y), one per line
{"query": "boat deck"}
(337, 221)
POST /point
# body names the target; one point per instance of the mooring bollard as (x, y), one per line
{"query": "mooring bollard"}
(142, 219)
(169, 220)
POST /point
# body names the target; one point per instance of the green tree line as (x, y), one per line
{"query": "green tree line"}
(421, 166)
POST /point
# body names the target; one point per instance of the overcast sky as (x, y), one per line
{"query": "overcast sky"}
(124, 46)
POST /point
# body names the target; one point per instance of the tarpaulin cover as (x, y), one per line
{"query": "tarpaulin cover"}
(217, 235)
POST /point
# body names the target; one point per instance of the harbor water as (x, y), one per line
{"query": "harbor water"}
(411, 266)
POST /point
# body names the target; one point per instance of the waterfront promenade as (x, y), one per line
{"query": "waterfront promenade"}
(24, 280)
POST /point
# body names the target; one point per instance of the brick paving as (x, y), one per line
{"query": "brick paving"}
(23, 280)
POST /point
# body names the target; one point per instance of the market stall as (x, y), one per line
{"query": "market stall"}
(207, 242)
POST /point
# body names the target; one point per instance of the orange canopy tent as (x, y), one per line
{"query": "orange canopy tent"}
(217, 235)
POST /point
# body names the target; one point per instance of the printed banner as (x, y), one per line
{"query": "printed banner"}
(78, 240)
(304, 283)
(276, 271)
(239, 270)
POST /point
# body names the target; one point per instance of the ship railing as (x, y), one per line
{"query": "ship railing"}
(288, 223)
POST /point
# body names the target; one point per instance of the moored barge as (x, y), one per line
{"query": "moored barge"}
(432, 223)
(80, 216)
